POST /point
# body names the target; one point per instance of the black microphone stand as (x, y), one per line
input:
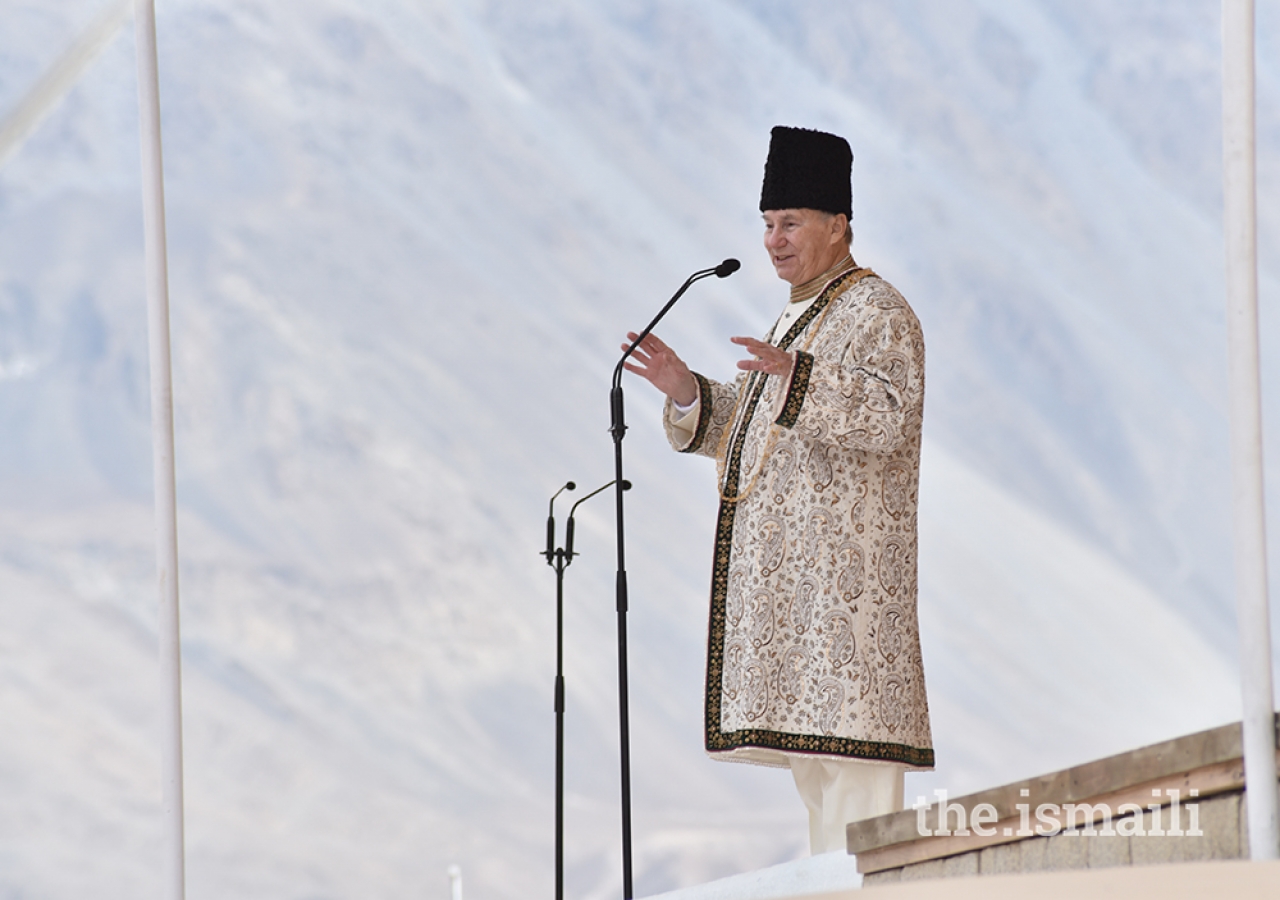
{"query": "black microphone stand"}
(559, 558)
(619, 429)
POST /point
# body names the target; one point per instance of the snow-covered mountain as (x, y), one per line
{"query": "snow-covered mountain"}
(407, 237)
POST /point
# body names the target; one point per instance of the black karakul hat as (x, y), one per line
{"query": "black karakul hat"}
(807, 169)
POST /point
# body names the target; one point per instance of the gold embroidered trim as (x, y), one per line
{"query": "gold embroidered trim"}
(704, 414)
(815, 743)
(814, 286)
(799, 387)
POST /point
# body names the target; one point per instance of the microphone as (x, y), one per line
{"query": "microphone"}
(724, 270)
(568, 528)
(727, 268)
(551, 521)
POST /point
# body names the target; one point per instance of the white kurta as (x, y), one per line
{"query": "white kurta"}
(813, 645)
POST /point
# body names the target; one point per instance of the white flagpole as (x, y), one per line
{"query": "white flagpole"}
(157, 270)
(1240, 212)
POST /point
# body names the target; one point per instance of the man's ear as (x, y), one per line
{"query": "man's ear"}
(839, 222)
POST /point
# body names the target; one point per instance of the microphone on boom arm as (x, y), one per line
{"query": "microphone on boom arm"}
(727, 268)
(568, 528)
(724, 270)
(619, 429)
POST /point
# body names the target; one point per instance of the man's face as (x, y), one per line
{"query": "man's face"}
(803, 243)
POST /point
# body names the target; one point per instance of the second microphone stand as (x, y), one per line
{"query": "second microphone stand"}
(559, 558)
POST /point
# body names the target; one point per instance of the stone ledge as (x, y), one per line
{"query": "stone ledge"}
(1187, 881)
(1208, 762)
(1237, 879)
(1219, 817)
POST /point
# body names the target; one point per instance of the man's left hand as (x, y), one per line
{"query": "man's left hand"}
(766, 358)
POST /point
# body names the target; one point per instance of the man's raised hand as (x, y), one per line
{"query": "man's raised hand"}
(767, 358)
(659, 365)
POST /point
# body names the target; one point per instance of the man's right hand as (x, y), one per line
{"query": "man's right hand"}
(659, 365)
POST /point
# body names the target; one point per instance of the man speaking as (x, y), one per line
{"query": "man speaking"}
(813, 651)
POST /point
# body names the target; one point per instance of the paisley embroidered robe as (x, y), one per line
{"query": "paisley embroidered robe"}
(813, 644)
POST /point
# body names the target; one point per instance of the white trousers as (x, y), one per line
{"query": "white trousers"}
(839, 791)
